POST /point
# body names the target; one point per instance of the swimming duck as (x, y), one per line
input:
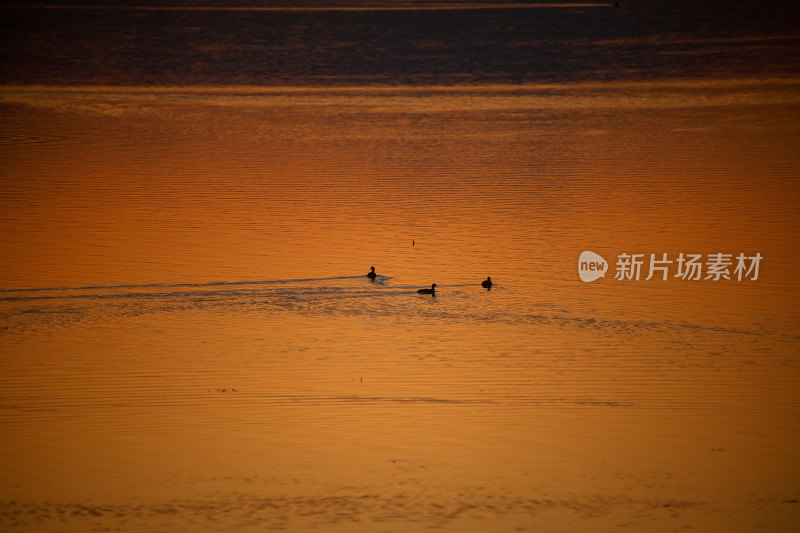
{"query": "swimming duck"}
(371, 274)
(432, 290)
(487, 283)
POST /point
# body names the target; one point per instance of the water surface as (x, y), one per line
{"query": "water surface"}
(190, 341)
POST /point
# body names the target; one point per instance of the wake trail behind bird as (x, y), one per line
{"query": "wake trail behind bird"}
(178, 285)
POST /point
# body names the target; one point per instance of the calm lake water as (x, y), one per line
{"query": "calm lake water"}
(191, 199)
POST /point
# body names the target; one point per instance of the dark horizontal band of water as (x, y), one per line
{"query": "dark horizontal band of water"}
(408, 44)
(406, 7)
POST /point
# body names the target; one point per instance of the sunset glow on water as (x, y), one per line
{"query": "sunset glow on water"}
(192, 198)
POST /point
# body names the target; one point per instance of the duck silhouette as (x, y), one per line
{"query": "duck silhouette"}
(432, 290)
(371, 274)
(487, 283)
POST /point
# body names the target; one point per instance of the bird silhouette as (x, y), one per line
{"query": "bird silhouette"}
(432, 290)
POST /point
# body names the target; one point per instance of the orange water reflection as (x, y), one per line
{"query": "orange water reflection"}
(326, 401)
